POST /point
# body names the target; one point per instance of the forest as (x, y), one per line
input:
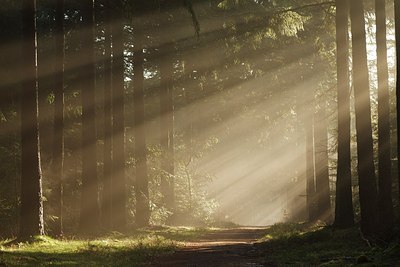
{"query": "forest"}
(199, 133)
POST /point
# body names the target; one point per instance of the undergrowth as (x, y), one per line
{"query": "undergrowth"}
(304, 244)
(112, 250)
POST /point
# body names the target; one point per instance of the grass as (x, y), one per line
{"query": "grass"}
(314, 245)
(107, 251)
(112, 250)
(289, 244)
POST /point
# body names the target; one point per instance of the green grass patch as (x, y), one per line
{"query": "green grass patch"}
(315, 245)
(121, 251)
(113, 249)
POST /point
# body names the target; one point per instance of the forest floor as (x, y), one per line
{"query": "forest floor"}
(222, 247)
(288, 244)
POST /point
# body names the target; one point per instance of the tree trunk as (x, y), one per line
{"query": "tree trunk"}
(310, 178)
(58, 141)
(366, 168)
(344, 214)
(118, 133)
(107, 171)
(142, 183)
(385, 205)
(90, 214)
(167, 126)
(397, 28)
(31, 220)
(323, 200)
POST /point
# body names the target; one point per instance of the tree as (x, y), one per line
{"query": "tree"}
(385, 205)
(142, 183)
(365, 167)
(323, 200)
(344, 215)
(167, 125)
(310, 177)
(58, 141)
(31, 221)
(397, 33)
(90, 215)
(118, 131)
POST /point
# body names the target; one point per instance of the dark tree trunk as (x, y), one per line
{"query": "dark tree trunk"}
(167, 126)
(107, 171)
(58, 141)
(323, 200)
(310, 178)
(366, 168)
(385, 205)
(31, 220)
(142, 183)
(118, 132)
(344, 214)
(90, 213)
(397, 28)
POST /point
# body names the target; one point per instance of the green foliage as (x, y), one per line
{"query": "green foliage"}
(317, 245)
(107, 251)
(289, 23)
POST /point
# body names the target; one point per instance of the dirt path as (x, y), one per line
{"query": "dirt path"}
(230, 247)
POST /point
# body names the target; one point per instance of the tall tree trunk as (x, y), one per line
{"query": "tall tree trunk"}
(298, 209)
(142, 182)
(58, 141)
(118, 133)
(90, 213)
(167, 126)
(344, 214)
(321, 163)
(397, 33)
(107, 171)
(310, 178)
(385, 205)
(31, 220)
(366, 168)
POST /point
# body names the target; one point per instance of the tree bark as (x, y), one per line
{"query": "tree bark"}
(397, 33)
(310, 178)
(142, 183)
(323, 199)
(31, 220)
(344, 214)
(58, 141)
(90, 213)
(118, 132)
(385, 205)
(366, 168)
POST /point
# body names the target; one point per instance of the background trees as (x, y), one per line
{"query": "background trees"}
(90, 216)
(58, 141)
(31, 216)
(159, 125)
